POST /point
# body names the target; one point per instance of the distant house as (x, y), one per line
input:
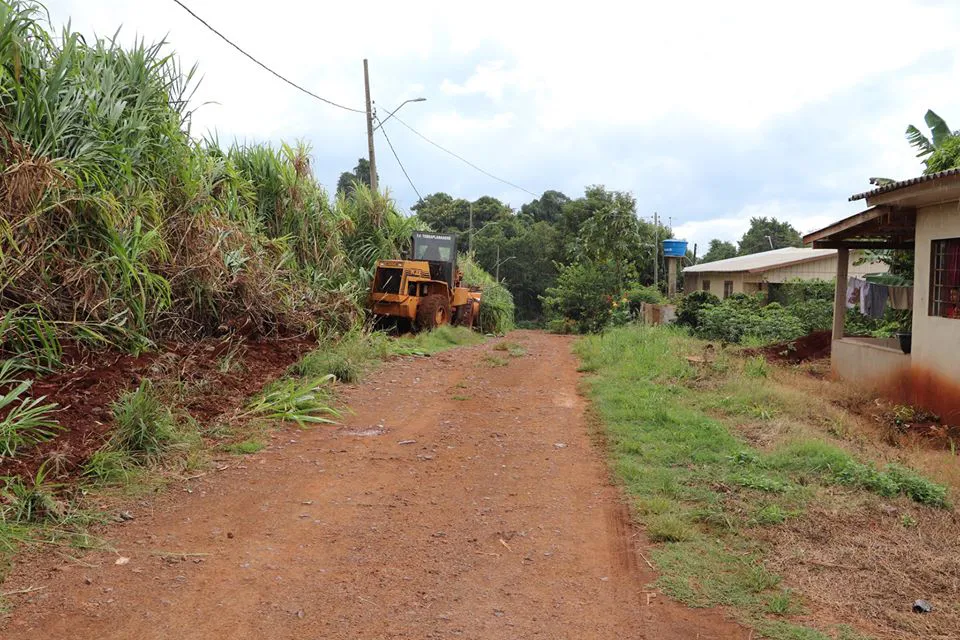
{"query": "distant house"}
(921, 215)
(758, 271)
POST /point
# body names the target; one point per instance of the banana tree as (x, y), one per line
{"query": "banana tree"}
(939, 131)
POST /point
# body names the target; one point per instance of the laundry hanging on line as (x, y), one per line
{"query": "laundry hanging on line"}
(872, 298)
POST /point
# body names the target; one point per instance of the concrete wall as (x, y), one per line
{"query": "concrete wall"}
(872, 364)
(657, 313)
(936, 341)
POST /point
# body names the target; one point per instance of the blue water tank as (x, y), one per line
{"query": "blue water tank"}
(674, 248)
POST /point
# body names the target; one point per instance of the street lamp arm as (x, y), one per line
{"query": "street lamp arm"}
(390, 115)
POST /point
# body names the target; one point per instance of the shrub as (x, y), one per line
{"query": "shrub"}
(741, 316)
(583, 294)
(688, 309)
(497, 309)
(638, 295)
(144, 428)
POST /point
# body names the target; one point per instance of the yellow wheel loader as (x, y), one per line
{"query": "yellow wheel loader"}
(424, 291)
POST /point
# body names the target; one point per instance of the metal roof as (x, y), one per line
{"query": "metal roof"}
(893, 186)
(763, 261)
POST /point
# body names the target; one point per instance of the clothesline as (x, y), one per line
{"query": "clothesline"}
(872, 298)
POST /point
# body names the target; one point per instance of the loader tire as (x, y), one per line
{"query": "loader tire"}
(432, 312)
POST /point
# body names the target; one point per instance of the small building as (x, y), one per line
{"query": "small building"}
(756, 272)
(921, 215)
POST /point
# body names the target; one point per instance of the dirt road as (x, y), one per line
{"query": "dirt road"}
(459, 499)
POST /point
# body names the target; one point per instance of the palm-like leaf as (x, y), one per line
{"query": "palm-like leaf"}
(920, 141)
(938, 128)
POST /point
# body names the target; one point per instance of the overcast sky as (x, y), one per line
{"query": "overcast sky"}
(708, 112)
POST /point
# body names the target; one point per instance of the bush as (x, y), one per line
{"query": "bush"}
(640, 294)
(741, 316)
(583, 294)
(688, 309)
(496, 304)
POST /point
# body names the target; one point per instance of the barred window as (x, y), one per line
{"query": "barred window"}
(727, 288)
(945, 278)
(706, 285)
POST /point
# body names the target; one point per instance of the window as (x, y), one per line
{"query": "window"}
(706, 285)
(945, 278)
(727, 288)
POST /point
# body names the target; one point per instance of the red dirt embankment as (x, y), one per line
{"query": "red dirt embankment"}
(214, 376)
(459, 500)
(810, 347)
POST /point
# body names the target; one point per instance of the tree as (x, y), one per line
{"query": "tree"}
(719, 250)
(547, 208)
(360, 173)
(941, 149)
(764, 232)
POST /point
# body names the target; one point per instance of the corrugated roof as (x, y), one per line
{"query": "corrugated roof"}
(764, 260)
(893, 186)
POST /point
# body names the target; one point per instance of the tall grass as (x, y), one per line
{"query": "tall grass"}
(496, 304)
(118, 227)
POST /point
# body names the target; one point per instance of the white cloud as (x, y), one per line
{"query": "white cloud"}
(731, 228)
(549, 96)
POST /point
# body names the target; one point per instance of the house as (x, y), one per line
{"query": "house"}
(758, 271)
(921, 215)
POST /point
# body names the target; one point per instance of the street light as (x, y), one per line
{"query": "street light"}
(500, 262)
(390, 115)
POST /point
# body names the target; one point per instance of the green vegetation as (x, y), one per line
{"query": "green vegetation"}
(144, 426)
(494, 360)
(440, 339)
(120, 228)
(27, 421)
(496, 305)
(514, 349)
(699, 488)
(304, 401)
(532, 247)
(798, 308)
(246, 447)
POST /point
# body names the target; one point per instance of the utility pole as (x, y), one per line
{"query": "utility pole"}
(497, 277)
(656, 250)
(470, 237)
(373, 157)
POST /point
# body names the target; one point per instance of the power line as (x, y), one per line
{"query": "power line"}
(290, 82)
(383, 130)
(462, 159)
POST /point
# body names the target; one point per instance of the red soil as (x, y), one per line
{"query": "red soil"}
(93, 381)
(809, 347)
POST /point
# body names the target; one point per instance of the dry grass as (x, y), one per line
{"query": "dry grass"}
(857, 559)
(855, 555)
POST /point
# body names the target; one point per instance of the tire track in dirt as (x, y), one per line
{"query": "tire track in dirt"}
(499, 521)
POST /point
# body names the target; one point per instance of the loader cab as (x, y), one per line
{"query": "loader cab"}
(439, 250)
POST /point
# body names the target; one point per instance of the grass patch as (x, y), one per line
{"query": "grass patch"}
(461, 398)
(493, 360)
(246, 447)
(440, 339)
(700, 488)
(351, 357)
(513, 349)
(305, 401)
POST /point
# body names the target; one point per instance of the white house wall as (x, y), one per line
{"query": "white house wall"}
(936, 341)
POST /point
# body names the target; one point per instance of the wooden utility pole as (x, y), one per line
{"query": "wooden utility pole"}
(656, 250)
(373, 156)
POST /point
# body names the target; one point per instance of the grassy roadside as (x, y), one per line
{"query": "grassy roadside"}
(154, 440)
(715, 454)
